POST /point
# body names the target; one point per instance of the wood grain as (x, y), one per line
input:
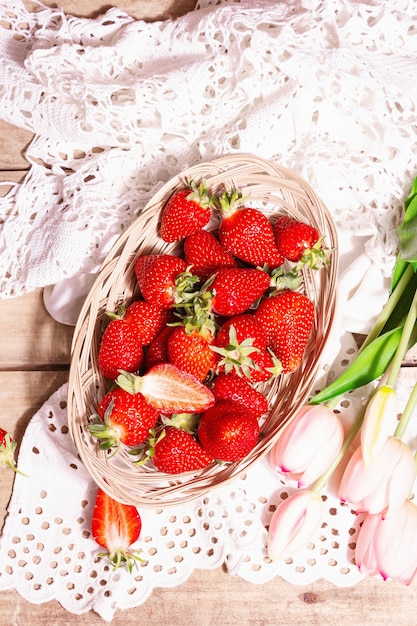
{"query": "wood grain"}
(30, 338)
(148, 10)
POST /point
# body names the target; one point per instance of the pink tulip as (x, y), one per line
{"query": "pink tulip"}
(294, 523)
(308, 445)
(388, 546)
(382, 485)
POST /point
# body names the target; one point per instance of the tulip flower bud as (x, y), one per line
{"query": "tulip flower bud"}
(308, 445)
(388, 546)
(379, 421)
(294, 523)
(382, 485)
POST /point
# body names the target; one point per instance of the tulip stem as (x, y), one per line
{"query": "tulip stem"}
(350, 436)
(389, 305)
(407, 414)
(403, 344)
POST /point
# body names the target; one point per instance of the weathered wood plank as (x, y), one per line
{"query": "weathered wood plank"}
(29, 338)
(148, 10)
(13, 143)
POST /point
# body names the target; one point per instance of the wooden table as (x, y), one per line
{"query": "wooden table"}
(34, 359)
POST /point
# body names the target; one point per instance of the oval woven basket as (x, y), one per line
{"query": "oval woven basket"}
(275, 190)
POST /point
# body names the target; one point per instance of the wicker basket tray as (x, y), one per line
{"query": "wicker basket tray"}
(275, 190)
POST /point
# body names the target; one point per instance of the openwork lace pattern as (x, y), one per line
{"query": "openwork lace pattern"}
(47, 552)
(118, 106)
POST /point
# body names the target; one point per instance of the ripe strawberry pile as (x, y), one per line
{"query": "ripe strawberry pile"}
(186, 357)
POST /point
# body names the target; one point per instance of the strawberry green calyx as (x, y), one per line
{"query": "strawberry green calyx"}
(285, 279)
(185, 421)
(7, 452)
(230, 201)
(194, 308)
(200, 194)
(118, 314)
(118, 558)
(237, 356)
(276, 369)
(104, 431)
(184, 288)
(315, 257)
(197, 316)
(132, 383)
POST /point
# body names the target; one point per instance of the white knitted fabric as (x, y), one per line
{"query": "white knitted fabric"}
(118, 106)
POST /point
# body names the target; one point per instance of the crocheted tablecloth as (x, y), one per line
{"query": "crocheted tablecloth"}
(119, 106)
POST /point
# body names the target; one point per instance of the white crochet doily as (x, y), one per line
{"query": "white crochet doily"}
(118, 106)
(47, 552)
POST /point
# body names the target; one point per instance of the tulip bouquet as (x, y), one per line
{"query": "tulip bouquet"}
(379, 476)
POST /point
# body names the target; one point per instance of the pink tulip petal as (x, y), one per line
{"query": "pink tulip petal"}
(381, 485)
(294, 523)
(308, 444)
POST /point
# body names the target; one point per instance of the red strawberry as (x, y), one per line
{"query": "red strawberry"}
(235, 289)
(190, 351)
(147, 319)
(299, 242)
(157, 351)
(176, 451)
(241, 344)
(122, 418)
(228, 431)
(205, 254)
(247, 233)
(288, 320)
(169, 389)
(162, 278)
(186, 211)
(119, 349)
(246, 327)
(116, 527)
(7, 451)
(241, 391)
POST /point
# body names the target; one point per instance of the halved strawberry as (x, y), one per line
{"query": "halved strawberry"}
(288, 319)
(228, 431)
(116, 527)
(119, 349)
(169, 389)
(240, 390)
(246, 232)
(122, 418)
(205, 254)
(186, 211)
(176, 451)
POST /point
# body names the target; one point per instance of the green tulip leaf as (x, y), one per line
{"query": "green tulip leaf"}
(369, 364)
